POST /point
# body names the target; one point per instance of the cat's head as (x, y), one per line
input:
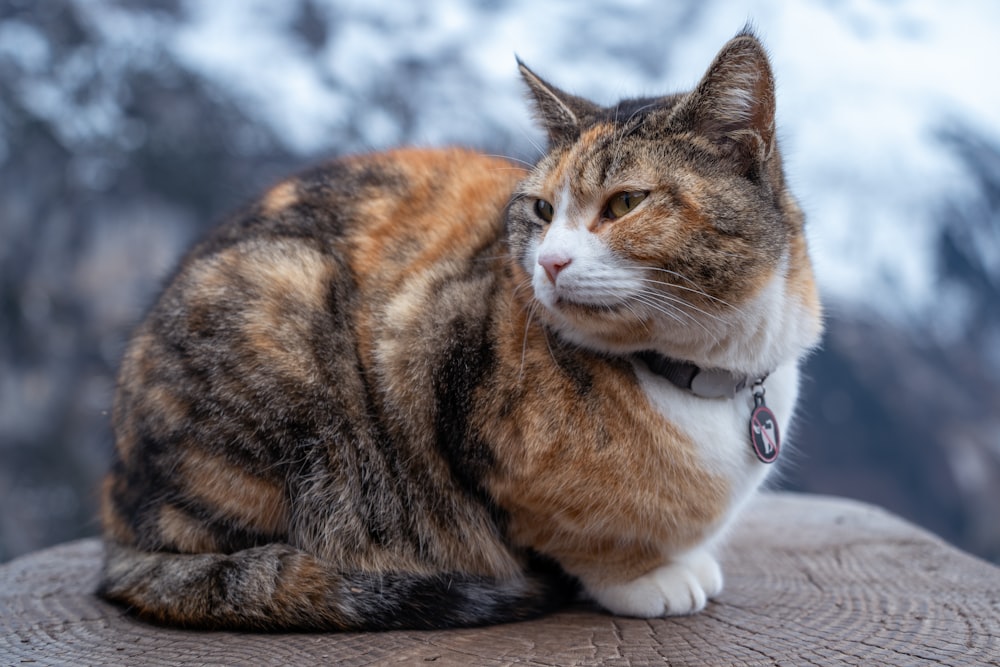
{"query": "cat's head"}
(665, 223)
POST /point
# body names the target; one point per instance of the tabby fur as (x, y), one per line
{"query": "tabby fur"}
(401, 390)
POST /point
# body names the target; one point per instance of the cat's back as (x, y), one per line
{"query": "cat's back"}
(337, 241)
(379, 209)
(271, 316)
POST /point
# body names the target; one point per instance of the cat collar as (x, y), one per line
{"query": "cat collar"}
(719, 383)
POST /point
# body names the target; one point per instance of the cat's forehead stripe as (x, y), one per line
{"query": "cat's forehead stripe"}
(584, 167)
(562, 205)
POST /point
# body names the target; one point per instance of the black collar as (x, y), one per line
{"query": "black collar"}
(703, 382)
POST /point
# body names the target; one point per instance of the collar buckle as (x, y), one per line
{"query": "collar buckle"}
(702, 382)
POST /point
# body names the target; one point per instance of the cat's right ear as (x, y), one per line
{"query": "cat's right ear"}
(733, 105)
(563, 115)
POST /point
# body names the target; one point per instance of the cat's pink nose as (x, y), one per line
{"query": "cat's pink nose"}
(553, 264)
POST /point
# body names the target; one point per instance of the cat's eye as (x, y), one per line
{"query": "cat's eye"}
(544, 210)
(622, 203)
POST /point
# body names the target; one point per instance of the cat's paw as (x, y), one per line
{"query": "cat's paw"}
(682, 587)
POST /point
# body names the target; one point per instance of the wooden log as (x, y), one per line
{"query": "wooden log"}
(810, 581)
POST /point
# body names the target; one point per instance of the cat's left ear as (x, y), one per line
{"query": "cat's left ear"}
(563, 115)
(733, 105)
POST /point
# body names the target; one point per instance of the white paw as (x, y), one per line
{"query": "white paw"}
(682, 587)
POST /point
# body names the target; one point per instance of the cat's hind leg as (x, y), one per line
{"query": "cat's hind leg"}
(680, 587)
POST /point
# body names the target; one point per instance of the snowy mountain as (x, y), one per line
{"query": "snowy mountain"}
(127, 128)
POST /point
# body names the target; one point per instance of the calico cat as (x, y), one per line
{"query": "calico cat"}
(428, 388)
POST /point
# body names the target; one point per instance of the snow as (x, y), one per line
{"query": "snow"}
(864, 89)
(244, 47)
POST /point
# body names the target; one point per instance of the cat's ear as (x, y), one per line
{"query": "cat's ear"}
(733, 105)
(563, 115)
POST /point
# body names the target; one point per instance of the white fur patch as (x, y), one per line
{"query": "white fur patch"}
(719, 427)
(591, 275)
(771, 337)
(681, 587)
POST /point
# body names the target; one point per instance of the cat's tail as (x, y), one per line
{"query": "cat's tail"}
(278, 587)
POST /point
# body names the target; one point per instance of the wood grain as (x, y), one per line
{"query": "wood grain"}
(810, 581)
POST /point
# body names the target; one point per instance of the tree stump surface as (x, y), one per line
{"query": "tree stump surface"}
(809, 581)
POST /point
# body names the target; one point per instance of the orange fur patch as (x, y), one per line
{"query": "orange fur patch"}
(232, 493)
(288, 282)
(170, 411)
(302, 578)
(593, 482)
(429, 228)
(280, 197)
(414, 238)
(184, 532)
(291, 282)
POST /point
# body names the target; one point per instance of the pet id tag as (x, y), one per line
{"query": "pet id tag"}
(763, 428)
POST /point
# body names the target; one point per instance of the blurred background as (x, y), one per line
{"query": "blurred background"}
(127, 128)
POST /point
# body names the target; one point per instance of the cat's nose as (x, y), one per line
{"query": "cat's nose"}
(553, 263)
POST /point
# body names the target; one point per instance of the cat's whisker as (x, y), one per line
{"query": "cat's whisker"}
(625, 130)
(678, 316)
(672, 310)
(541, 151)
(548, 345)
(515, 168)
(696, 289)
(636, 113)
(646, 324)
(681, 302)
(685, 306)
(675, 274)
(524, 338)
(511, 159)
(669, 309)
(490, 258)
(524, 284)
(671, 272)
(618, 138)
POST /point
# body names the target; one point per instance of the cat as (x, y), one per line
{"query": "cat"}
(429, 388)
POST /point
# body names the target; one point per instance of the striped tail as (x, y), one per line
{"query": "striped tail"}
(278, 587)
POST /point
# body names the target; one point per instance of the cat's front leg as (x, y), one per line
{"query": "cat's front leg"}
(680, 587)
